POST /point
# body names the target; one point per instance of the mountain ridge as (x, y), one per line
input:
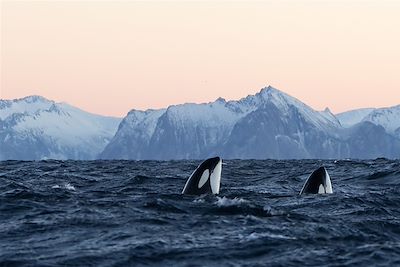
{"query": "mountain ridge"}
(34, 127)
(267, 124)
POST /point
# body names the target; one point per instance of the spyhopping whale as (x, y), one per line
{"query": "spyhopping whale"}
(205, 179)
(319, 182)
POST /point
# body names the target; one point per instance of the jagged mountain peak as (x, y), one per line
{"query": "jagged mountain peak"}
(27, 105)
(275, 96)
(288, 104)
(33, 99)
(280, 99)
(270, 90)
(220, 100)
(146, 111)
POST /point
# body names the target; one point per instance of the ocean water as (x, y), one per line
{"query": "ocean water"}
(131, 213)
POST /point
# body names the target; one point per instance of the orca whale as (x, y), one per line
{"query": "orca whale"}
(205, 179)
(319, 182)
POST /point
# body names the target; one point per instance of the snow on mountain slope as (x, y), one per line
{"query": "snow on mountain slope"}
(283, 127)
(198, 130)
(187, 129)
(63, 131)
(330, 117)
(133, 136)
(141, 122)
(193, 130)
(285, 102)
(268, 124)
(208, 114)
(28, 105)
(324, 120)
(352, 117)
(388, 118)
(217, 118)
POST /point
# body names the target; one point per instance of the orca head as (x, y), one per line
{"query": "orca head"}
(319, 182)
(205, 179)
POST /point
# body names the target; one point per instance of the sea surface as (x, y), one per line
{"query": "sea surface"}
(132, 213)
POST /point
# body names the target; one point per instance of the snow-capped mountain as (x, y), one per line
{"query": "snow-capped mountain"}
(197, 130)
(269, 124)
(281, 126)
(36, 128)
(133, 136)
(352, 117)
(181, 131)
(388, 118)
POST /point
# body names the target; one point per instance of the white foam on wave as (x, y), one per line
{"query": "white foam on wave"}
(67, 186)
(255, 236)
(270, 210)
(228, 202)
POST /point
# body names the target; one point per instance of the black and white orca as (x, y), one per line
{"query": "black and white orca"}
(205, 179)
(319, 182)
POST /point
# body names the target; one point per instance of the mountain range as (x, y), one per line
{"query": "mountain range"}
(269, 124)
(34, 128)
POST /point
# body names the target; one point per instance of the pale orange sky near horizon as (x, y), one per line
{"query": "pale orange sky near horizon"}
(110, 57)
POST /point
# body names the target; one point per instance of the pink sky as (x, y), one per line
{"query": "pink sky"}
(109, 57)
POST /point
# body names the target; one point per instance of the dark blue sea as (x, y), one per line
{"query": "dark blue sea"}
(131, 213)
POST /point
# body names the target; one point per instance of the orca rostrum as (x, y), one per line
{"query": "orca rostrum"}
(205, 179)
(319, 182)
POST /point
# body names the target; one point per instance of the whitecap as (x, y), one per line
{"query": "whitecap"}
(270, 210)
(228, 202)
(255, 236)
(69, 186)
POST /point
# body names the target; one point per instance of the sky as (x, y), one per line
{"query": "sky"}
(109, 57)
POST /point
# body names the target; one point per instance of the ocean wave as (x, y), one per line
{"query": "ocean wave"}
(67, 186)
(227, 202)
(255, 236)
(95, 213)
